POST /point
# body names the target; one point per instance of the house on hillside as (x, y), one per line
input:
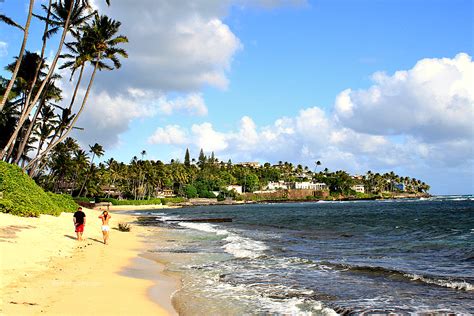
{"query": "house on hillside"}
(164, 193)
(252, 164)
(280, 185)
(358, 188)
(306, 185)
(111, 191)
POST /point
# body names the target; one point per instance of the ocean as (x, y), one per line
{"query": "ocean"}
(321, 258)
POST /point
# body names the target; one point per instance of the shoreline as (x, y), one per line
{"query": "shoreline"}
(45, 270)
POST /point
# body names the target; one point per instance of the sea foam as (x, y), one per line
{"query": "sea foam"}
(457, 285)
(238, 246)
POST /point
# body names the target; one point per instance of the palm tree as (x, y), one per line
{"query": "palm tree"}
(102, 40)
(51, 93)
(29, 105)
(81, 161)
(46, 126)
(96, 150)
(25, 30)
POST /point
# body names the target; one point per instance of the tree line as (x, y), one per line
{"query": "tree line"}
(73, 170)
(34, 117)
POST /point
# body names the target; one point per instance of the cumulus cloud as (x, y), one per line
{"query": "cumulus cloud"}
(417, 118)
(433, 101)
(3, 49)
(174, 45)
(170, 134)
(106, 116)
(192, 104)
(204, 136)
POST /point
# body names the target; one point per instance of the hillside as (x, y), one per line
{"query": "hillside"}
(20, 195)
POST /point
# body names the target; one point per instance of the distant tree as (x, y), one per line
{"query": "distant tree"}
(187, 161)
(202, 158)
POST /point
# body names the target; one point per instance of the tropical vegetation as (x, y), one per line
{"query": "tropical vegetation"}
(72, 170)
(20, 195)
(36, 120)
(34, 117)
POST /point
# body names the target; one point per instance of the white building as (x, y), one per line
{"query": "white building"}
(358, 188)
(280, 185)
(310, 186)
(236, 188)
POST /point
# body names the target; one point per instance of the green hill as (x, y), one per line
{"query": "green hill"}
(20, 195)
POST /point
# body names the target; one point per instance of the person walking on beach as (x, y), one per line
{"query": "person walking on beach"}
(79, 220)
(105, 225)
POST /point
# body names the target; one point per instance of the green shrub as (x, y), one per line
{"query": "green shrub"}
(65, 201)
(165, 201)
(82, 199)
(191, 191)
(23, 197)
(110, 200)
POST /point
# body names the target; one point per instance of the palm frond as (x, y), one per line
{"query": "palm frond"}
(5, 19)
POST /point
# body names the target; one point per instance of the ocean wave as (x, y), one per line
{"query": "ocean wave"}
(456, 284)
(238, 246)
(453, 284)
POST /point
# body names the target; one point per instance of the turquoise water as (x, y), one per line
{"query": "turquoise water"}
(392, 256)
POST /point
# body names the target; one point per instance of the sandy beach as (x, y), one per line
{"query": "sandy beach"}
(44, 270)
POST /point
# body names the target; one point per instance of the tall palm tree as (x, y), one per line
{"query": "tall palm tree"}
(103, 41)
(96, 150)
(52, 93)
(25, 30)
(29, 105)
(81, 161)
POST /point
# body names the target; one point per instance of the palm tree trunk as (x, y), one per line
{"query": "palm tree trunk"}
(76, 88)
(20, 55)
(21, 147)
(29, 107)
(30, 128)
(60, 139)
(38, 68)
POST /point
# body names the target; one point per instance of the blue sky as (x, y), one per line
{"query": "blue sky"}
(267, 80)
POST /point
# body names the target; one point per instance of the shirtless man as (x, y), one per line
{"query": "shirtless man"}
(105, 217)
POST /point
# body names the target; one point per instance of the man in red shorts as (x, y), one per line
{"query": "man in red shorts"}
(79, 219)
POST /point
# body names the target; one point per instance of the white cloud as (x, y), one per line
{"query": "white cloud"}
(205, 137)
(433, 101)
(106, 117)
(170, 134)
(174, 45)
(192, 104)
(355, 139)
(175, 48)
(3, 49)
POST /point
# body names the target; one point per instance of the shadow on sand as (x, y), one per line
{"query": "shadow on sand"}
(96, 240)
(93, 239)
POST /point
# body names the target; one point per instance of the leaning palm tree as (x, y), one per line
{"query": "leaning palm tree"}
(102, 39)
(25, 30)
(69, 16)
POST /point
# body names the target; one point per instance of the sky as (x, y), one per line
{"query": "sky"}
(359, 85)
